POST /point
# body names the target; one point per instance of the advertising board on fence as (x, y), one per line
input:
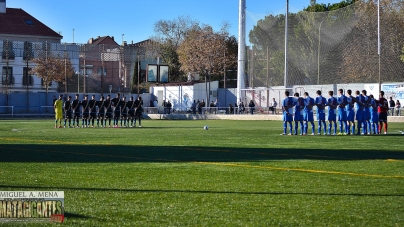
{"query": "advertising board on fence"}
(31, 206)
(394, 90)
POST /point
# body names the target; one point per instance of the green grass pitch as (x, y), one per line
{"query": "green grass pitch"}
(237, 173)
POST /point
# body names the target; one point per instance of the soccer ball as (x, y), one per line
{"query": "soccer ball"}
(205, 127)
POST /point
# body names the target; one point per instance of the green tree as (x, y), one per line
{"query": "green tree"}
(305, 28)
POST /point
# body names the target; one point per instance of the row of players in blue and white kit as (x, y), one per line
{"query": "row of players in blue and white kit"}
(370, 114)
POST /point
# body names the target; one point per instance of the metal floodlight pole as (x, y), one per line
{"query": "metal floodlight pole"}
(224, 76)
(78, 81)
(286, 45)
(378, 42)
(102, 69)
(65, 71)
(267, 66)
(318, 53)
(138, 74)
(267, 76)
(84, 72)
(241, 49)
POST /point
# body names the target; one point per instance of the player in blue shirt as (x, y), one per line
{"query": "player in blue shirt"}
(350, 113)
(374, 116)
(308, 113)
(359, 111)
(342, 102)
(320, 103)
(366, 109)
(332, 115)
(298, 117)
(287, 107)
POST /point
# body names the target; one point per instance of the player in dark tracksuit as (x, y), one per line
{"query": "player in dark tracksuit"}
(124, 111)
(86, 114)
(67, 106)
(93, 110)
(131, 111)
(108, 114)
(117, 109)
(76, 110)
(138, 111)
(101, 112)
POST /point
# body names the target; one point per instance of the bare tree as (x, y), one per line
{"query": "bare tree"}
(207, 52)
(169, 36)
(174, 31)
(50, 68)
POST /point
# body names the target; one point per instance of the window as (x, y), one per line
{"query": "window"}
(27, 79)
(7, 78)
(28, 53)
(89, 72)
(8, 52)
(29, 22)
(103, 73)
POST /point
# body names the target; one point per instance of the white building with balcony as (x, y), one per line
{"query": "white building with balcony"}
(21, 36)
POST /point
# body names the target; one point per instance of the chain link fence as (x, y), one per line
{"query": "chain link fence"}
(98, 67)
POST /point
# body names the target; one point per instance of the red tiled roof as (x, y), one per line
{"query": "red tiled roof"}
(14, 22)
(104, 40)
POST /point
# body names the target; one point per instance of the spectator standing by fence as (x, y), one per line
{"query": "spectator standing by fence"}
(241, 107)
(273, 107)
(398, 106)
(169, 107)
(392, 104)
(201, 106)
(217, 104)
(251, 105)
(156, 105)
(193, 107)
(164, 105)
(212, 107)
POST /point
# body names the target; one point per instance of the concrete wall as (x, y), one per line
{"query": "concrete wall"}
(227, 96)
(182, 97)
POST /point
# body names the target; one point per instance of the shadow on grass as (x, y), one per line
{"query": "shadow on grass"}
(44, 188)
(106, 153)
(78, 216)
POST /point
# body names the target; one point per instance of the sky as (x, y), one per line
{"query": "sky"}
(133, 20)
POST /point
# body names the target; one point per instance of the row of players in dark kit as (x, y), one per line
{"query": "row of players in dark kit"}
(123, 113)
